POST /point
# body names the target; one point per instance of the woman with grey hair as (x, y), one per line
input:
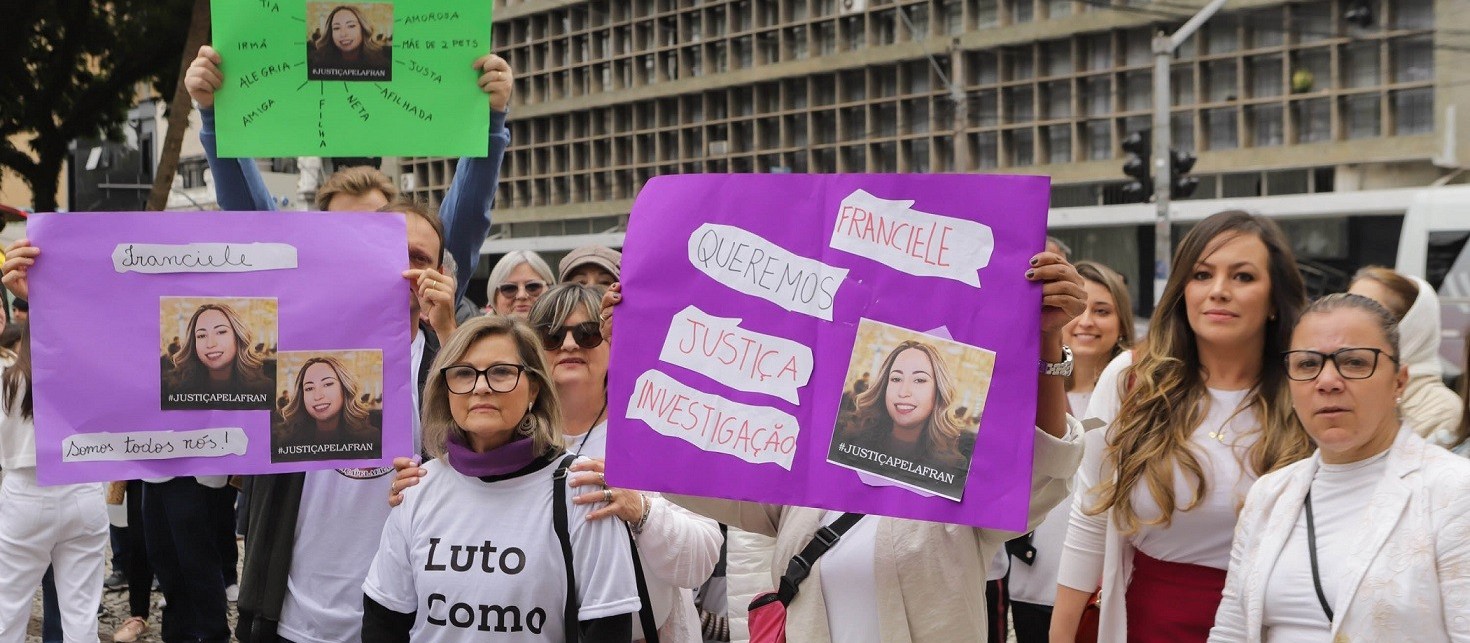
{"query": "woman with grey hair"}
(516, 281)
(1371, 534)
(450, 567)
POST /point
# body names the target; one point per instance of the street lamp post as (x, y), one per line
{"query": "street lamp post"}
(1163, 48)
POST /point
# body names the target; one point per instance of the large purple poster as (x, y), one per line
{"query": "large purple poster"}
(859, 343)
(172, 344)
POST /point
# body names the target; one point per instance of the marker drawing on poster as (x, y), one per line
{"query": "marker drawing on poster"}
(755, 434)
(918, 243)
(154, 445)
(153, 258)
(837, 383)
(754, 266)
(328, 78)
(737, 357)
(216, 361)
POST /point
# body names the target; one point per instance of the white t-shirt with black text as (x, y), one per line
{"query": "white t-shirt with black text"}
(472, 559)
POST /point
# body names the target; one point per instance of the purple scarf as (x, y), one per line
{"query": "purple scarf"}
(504, 459)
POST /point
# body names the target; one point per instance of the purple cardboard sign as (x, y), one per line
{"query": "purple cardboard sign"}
(169, 344)
(861, 343)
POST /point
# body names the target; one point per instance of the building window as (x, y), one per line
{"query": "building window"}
(1059, 144)
(986, 13)
(1058, 100)
(1361, 113)
(1020, 104)
(1138, 91)
(1219, 77)
(1220, 129)
(1311, 71)
(1413, 14)
(1413, 59)
(1266, 76)
(1099, 140)
(1021, 144)
(1413, 111)
(1267, 125)
(1360, 65)
(1097, 95)
(985, 148)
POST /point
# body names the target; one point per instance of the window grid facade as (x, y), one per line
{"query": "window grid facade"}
(1292, 74)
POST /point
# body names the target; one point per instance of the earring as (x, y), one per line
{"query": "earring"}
(526, 426)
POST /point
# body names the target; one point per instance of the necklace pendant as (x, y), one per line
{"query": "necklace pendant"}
(1218, 436)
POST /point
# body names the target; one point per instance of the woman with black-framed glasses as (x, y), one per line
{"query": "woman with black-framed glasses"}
(1369, 537)
(678, 549)
(491, 542)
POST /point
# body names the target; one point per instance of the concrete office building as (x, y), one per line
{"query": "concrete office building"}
(1274, 97)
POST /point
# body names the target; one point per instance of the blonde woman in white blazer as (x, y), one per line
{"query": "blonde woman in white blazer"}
(1369, 539)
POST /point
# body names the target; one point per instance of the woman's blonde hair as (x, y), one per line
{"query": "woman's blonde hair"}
(1402, 287)
(1164, 398)
(249, 365)
(545, 414)
(1122, 303)
(870, 422)
(354, 412)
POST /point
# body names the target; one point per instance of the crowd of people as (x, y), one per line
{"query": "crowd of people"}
(1254, 467)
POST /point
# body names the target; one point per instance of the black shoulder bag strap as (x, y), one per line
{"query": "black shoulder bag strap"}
(801, 564)
(1312, 549)
(559, 520)
(645, 613)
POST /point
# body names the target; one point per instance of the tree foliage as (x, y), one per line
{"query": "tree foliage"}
(69, 69)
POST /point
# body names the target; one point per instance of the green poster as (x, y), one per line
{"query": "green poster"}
(306, 78)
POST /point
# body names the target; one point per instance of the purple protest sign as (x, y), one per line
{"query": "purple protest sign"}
(168, 344)
(861, 343)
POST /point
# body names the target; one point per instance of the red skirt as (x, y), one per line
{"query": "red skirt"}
(1172, 602)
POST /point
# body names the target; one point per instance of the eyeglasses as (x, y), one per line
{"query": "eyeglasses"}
(1352, 363)
(501, 378)
(586, 334)
(532, 288)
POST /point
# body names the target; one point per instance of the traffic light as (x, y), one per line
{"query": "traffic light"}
(1360, 15)
(1139, 144)
(1180, 164)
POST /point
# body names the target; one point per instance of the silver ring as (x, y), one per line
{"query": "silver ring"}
(607, 496)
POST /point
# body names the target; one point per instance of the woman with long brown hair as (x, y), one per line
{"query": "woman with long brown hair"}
(219, 356)
(909, 411)
(1195, 415)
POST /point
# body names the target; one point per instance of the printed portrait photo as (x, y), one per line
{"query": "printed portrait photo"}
(349, 42)
(217, 353)
(911, 407)
(329, 406)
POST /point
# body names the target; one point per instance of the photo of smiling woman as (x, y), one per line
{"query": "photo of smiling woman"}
(911, 426)
(344, 45)
(332, 410)
(216, 353)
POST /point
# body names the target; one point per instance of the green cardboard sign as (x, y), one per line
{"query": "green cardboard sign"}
(307, 78)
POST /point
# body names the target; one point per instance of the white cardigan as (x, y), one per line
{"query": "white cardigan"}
(1408, 578)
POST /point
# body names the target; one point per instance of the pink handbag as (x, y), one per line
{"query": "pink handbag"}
(767, 614)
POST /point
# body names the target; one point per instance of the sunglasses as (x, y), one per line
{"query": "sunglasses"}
(586, 334)
(532, 288)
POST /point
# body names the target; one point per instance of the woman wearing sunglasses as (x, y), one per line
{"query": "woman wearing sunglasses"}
(451, 566)
(1370, 536)
(677, 548)
(516, 281)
